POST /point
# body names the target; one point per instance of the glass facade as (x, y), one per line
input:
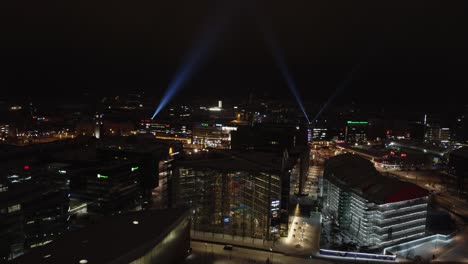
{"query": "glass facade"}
(239, 203)
(375, 224)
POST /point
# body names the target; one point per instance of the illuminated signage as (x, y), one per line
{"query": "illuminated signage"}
(204, 124)
(100, 176)
(135, 168)
(357, 122)
(275, 206)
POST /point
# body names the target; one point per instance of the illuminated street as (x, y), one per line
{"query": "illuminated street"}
(214, 253)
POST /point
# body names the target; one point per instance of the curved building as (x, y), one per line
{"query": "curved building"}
(376, 210)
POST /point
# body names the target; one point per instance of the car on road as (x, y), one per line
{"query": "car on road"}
(227, 247)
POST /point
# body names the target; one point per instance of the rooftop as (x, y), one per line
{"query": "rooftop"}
(234, 160)
(360, 175)
(108, 240)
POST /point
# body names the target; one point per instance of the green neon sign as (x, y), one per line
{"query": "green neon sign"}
(100, 176)
(204, 124)
(357, 122)
(135, 168)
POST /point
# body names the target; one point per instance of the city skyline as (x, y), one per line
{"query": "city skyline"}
(233, 131)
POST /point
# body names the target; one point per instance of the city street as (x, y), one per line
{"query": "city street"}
(214, 253)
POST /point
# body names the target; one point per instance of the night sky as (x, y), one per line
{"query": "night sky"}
(408, 52)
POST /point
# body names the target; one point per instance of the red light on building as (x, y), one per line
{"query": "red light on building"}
(392, 153)
(26, 167)
(388, 132)
(403, 155)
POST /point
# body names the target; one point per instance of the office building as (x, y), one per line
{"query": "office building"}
(238, 193)
(318, 134)
(377, 211)
(166, 130)
(151, 158)
(356, 132)
(212, 135)
(436, 134)
(26, 223)
(278, 139)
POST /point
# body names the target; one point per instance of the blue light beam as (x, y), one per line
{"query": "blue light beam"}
(346, 82)
(193, 60)
(364, 60)
(283, 67)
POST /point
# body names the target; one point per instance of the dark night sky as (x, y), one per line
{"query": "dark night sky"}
(409, 51)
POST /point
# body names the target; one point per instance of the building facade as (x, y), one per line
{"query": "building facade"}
(236, 195)
(376, 210)
(356, 131)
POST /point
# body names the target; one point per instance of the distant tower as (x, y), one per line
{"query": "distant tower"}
(220, 104)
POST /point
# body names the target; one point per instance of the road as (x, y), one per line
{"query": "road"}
(431, 180)
(213, 253)
(453, 205)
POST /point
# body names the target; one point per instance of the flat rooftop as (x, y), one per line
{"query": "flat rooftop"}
(234, 160)
(359, 175)
(108, 240)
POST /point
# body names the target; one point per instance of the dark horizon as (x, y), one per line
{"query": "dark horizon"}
(410, 54)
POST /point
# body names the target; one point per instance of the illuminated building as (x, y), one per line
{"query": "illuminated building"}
(7, 133)
(238, 193)
(174, 131)
(356, 131)
(108, 187)
(152, 236)
(319, 134)
(149, 157)
(377, 211)
(27, 223)
(435, 133)
(212, 135)
(277, 139)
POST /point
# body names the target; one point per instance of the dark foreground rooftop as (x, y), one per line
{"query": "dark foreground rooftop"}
(109, 240)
